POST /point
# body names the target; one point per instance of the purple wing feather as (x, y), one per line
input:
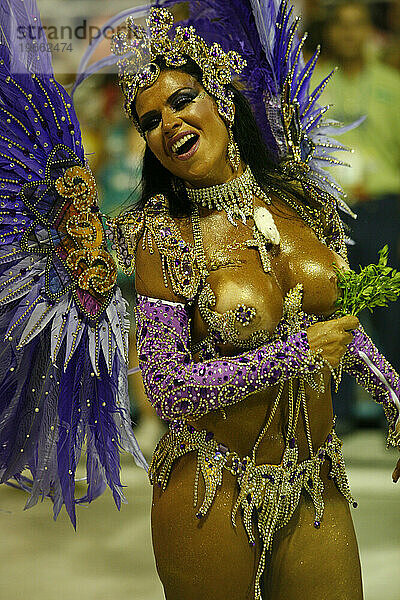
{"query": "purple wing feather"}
(84, 73)
(83, 70)
(21, 57)
(69, 438)
(106, 434)
(55, 386)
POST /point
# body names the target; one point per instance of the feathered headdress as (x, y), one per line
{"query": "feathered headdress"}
(138, 49)
(276, 81)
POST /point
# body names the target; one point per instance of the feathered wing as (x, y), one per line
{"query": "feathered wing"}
(63, 321)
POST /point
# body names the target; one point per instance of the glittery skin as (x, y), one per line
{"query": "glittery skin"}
(175, 386)
(272, 492)
(178, 387)
(274, 502)
(356, 366)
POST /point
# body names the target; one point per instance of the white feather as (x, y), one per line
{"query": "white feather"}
(38, 320)
(106, 346)
(75, 328)
(116, 313)
(93, 347)
(58, 327)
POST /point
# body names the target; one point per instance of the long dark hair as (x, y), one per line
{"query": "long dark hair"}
(156, 179)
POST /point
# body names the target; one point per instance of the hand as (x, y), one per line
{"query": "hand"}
(331, 339)
(396, 472)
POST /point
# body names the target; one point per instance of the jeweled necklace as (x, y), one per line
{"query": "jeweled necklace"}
(235, 197)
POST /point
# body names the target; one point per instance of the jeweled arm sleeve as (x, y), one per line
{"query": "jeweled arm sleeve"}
(177, 386)
(376, 375)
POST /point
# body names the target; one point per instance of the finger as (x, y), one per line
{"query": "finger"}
(349, 322)
(396, 472)
(347, 338)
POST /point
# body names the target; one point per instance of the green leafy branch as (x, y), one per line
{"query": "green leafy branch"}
(374, 285)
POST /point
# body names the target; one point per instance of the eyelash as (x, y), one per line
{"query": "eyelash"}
(182, 101)
(178, 104)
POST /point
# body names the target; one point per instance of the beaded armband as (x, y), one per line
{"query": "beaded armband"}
(177, 386)
(375, 374)
(154, 226)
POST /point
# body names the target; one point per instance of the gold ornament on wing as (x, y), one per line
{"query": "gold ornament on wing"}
(93, 268)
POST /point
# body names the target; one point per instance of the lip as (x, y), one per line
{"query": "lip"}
(189, 154)
(176, 138)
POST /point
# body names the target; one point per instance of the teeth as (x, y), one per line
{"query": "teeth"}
(182, 141)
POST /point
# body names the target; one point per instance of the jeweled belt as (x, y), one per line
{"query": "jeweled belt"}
(268, 492)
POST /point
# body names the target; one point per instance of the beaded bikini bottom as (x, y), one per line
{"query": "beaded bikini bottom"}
(267, 493)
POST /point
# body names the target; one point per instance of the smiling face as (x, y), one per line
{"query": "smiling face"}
(184, 129)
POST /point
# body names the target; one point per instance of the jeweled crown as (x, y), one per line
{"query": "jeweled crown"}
(139, 48)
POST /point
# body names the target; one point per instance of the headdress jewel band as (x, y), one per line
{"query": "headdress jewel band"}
(139, 49)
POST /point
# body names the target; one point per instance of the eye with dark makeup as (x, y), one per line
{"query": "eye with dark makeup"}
(177, 101)
(149, 123)
(183, 99)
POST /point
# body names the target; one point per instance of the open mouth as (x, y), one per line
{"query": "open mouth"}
(185, 145)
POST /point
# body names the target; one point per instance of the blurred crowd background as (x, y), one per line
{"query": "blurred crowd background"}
(362, 39)
(111, 557)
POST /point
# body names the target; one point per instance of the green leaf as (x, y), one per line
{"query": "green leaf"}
(375, 285)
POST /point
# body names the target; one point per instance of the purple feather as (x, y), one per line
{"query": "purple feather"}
(83, 70)
(103, 429)
(302, 83)
(15, 17)
(314, 97)
(22, 409)
(44, 410)
(108, 61)
(69, 446)
(55, 123)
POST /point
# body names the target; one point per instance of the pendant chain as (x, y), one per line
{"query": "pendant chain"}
(310, 216)
(198, 244)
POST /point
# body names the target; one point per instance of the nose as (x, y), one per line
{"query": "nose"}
(170, 122)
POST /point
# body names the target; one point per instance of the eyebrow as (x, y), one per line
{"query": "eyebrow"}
(170, 99)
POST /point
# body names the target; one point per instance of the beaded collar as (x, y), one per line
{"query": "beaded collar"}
(235, 197)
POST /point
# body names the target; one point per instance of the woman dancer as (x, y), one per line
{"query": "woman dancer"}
(233, 251)
(236, 286)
